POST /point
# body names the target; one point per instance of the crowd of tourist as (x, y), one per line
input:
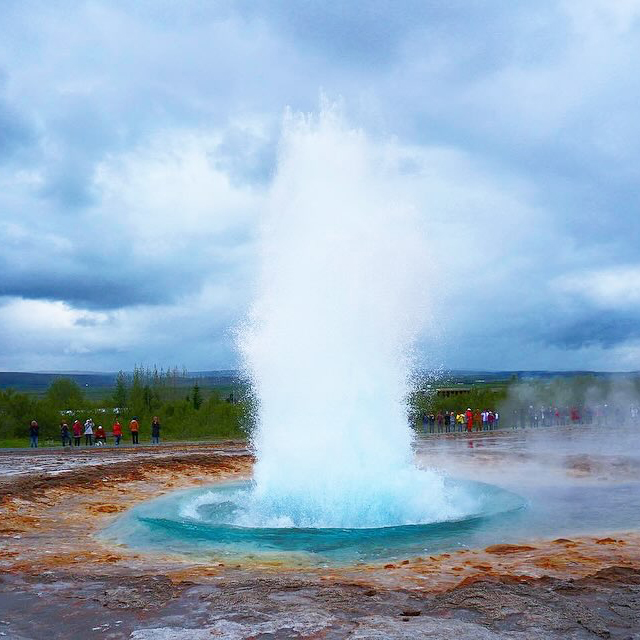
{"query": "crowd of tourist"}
(441, 422)
(452, 421)
(530, 417)
(551, 416)
(95, 435)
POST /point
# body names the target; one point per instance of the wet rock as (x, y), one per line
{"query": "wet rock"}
(383, 628)
(508, 548)
(108, 508)
(616, 575)
(145, 592)
(558, 607)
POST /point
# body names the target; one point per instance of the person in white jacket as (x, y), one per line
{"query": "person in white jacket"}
(88, 432)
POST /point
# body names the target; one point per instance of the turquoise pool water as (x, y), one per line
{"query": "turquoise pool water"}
(200, 523)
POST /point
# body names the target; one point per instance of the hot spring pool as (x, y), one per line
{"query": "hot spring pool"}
(215, 523)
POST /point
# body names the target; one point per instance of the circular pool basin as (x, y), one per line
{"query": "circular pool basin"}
(205, 523)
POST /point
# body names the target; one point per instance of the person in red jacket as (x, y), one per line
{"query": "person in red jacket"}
(469, 416)
(117, 431)
(76, 427)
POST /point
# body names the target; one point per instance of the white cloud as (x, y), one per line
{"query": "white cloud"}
(44, 316)
(167, 194)
(610, 288)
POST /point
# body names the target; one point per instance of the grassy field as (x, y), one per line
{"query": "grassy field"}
(14, 443)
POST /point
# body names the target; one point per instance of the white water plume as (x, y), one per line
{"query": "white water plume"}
(341, 299)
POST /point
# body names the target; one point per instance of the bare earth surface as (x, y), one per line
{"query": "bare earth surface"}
(59, 581)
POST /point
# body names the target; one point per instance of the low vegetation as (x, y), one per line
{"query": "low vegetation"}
(185, 412)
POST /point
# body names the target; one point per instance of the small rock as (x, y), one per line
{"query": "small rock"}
(606, 541)
(508, 548)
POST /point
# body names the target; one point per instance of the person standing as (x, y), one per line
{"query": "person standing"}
(117, 431)
(469, 416)
(88, 432)
(134, 428)
(77, 432)
(64, 434)
(33, 434)
(155, 430)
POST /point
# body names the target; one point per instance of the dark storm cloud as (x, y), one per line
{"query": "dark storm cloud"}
(601, 329)
(79, 134)
(15, 132)
(85, 290)
(372, 33)
(100, 282)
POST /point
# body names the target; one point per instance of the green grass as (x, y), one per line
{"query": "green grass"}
(14, 443)
(23, 443)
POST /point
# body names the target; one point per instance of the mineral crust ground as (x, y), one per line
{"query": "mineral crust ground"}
(58, 580)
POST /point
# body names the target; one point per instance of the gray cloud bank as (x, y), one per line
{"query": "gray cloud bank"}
(138, 143)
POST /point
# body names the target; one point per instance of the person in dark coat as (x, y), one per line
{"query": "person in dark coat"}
(33, 434)
(155, 430)
(64, 434)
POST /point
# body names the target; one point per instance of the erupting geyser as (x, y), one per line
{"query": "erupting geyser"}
(328, 348)
(341, 298)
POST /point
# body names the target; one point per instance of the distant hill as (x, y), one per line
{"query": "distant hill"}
(523, 375)
(40, 381)
(21, 381)
(225, 378)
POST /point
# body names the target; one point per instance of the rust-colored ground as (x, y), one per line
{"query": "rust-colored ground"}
(49, 521)
(48, 546)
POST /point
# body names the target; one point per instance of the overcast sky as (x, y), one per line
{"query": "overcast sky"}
(138, 143)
